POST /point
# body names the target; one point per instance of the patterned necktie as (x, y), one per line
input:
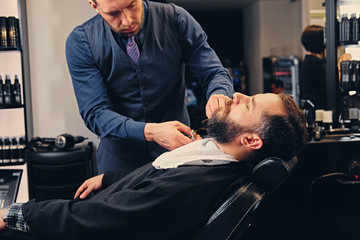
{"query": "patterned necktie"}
(133, 50)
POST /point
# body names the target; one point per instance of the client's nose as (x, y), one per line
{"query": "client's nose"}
(239, 97)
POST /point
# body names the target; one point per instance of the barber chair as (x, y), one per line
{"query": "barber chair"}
(234, 216)
(55, 173)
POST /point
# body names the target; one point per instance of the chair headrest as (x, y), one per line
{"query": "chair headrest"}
(271, 172)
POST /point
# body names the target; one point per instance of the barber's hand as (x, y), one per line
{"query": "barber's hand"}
(88, 186)
(168, 134)
(215, 101)
(2, 223)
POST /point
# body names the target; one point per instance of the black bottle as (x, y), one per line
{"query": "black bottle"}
(356, 76)
(14, 153)
(1, 151)
(6, 148)
(3, 33)
(7, 92)
(349, 29)
(16, 92)
(355, 28)
(345, 29)
(11, 30)
(1, 92)
(21, 149)
(352, 75)
(345, 78)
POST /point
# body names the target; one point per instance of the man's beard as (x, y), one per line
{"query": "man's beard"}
(223, 129)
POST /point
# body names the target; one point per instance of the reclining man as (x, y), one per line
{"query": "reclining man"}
(175, 195)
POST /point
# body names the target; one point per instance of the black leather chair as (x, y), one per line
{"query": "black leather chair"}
(234, 216)
(57, 173)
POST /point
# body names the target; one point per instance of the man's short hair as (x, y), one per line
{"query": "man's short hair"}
(312, 38)
(282, 136)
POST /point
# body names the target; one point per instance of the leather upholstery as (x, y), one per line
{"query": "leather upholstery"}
(234, 216)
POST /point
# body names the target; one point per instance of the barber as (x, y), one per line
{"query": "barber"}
(135, 101)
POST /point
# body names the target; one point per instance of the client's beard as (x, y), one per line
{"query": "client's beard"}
(223, 129)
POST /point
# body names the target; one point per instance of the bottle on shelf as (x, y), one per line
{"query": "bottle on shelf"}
(16, 88)
(344, 29)
(1, 151)
(7, 153)
(11, 25)
(356, 76)
(3, 33)
(345, 76)
(355, 28)
(14, 153)
(1, 92)
(7, 91)
(21, 149)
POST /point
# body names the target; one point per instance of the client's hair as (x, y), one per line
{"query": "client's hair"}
(282, 136)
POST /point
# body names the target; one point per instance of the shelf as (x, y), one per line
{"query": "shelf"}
(12, 164)
(11, 107)
(348, 2)
(350, 44)
(10, 49)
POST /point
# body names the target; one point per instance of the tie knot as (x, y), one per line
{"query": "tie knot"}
(131, 39)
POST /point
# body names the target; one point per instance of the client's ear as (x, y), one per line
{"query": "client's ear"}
(251, 140)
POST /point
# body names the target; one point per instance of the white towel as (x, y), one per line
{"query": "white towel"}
(201, 152)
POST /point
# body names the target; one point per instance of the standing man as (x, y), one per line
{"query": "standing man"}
(127, 67)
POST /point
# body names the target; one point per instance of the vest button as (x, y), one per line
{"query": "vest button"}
(146, 104)
(142, 88)
(139, 71)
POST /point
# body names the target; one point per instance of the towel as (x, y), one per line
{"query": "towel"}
(200, 152)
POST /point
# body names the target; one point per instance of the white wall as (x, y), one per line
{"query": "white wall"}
(271, 27)
(54, 105)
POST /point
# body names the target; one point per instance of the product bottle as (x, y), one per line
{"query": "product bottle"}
(14, 153)
(345, 29)
(345, 75)
(21, 148)
(1, 92)
(3, 33)
(356, 76)
(1, 151)
(11, 29)
(16, 92)
(352, 74)
(355, 36)
(7, 154)
(7, 91)
(349, 28)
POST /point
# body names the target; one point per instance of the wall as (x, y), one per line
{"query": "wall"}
(271, 27)
(55, 109)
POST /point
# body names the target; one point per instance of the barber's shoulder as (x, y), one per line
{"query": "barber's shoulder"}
(92, 20)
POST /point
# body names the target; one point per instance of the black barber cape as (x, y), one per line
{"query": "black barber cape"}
(146, 204)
